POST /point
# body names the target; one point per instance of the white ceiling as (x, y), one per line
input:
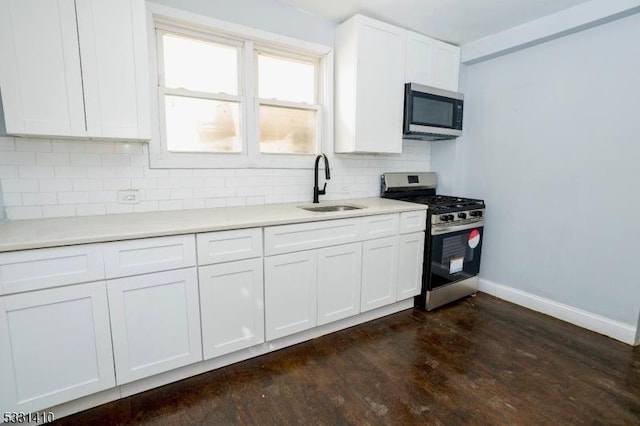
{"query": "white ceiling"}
(454, 21)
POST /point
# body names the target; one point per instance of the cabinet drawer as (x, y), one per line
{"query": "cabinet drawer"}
(305, 236)
(225, 246)
(124, 258)
(415, 221)
(51, 267)
(379, 226)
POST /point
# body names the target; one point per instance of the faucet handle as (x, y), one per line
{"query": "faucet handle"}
(323, 191)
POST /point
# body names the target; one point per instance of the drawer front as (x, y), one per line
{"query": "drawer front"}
(305, 236)
(134, 257)
(226, 246)
(51, 267)
(414, 221)
(379, 226)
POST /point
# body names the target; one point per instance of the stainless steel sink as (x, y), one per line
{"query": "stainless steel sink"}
(331, 208)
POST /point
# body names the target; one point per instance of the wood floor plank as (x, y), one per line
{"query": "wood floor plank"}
(478, 361)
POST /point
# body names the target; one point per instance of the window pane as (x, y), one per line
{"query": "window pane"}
(202, 125)
(286, 79)
(287, 130)
(200, 65)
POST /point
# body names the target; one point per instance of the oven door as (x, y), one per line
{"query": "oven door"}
(455, 256)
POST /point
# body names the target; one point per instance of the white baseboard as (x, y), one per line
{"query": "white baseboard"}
(626, 333)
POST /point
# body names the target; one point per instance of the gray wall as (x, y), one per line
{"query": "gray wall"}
(267, 15)
(551, 143)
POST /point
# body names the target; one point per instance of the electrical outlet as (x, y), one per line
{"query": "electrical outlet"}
(128, 196)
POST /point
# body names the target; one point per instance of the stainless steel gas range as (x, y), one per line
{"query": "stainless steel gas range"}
(453, 245)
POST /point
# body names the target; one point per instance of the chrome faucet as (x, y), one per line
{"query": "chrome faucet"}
(316, 190)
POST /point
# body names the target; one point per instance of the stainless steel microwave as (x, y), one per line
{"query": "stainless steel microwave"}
(432, 114)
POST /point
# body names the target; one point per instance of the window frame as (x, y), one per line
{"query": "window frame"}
(250, 41)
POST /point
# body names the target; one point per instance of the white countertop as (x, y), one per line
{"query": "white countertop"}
(40, 233)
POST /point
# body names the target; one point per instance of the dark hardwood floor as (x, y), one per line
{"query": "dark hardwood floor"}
(479, 361)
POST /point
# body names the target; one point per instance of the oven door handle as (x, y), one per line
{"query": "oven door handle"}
(437, 230)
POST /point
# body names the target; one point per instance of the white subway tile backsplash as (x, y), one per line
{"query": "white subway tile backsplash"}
(100, 147)
(58, 211)
(33, 145)
(116, 160)
(13, 158)
(146, 206)
(215, 202)
(52, 158)
(73, 197)
(114, 208)
(7, 144)
(128, 148)
(39, 198)
(12, 199)
(90, 209)
(71, 171)
(116, 184)
(88, 184)
(181, 193)
(55, 185)
(156, 194)
(31, 212)
(85, 159)
(144, 183)
(103, 196)
(84, 176)
(19, 185)
(9, 172)
(101, 172)
(170, 205)
(67, 146)
(130, 171)
(196, 203)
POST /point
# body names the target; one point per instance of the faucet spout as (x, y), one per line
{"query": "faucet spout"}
(327, 174)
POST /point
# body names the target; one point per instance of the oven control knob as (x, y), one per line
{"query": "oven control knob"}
(451, 217)
(462, 215)
(444, 218)
(476, 213)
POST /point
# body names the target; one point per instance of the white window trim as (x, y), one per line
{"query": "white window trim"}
(159, 157)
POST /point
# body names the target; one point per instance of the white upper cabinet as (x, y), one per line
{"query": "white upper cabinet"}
(74, 68)
(369, 86)
(431, 62)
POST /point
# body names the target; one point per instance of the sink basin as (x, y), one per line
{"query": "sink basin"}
(332, 208)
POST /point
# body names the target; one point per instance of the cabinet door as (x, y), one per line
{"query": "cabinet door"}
(380, 87)
(40, 68)
(155, 320)
(379, 272)
(232, 306)
(369, 77)
(339, 278)
(113, 47)
(55, 346)
(418, 63)
(290, 285)
(445, 66)
(410, 262)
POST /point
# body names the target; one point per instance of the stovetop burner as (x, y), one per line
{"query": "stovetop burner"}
(445, 203)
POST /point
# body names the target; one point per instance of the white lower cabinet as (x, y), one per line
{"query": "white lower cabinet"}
(55, 346)
(232, 306)
(379, 272)
(290, 286)
(410, 262)
(339, 278)
(155, 319)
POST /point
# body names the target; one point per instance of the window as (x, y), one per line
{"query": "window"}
(240, 98)
(199, 87)
(288, 112)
